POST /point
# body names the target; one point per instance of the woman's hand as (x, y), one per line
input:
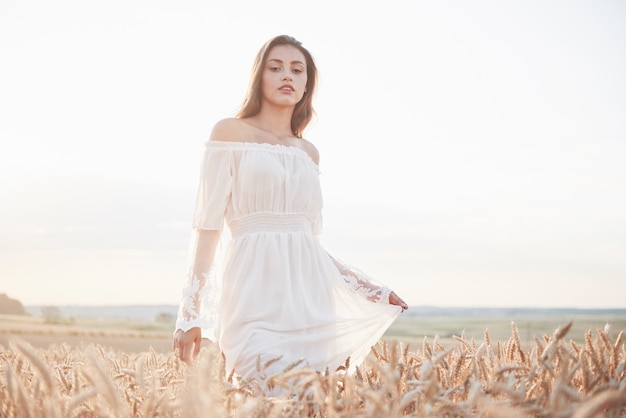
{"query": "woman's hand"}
(397, 300)
(187, 343)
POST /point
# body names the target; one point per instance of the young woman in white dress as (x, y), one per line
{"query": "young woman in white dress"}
(275, 293)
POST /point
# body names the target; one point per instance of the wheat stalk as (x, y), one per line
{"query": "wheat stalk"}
(493, 378)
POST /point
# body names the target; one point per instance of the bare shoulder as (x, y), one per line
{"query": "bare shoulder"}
(312, 151)
(229, 129)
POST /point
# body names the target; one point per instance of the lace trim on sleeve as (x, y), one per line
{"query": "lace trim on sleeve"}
(199, 304)
(361, 284)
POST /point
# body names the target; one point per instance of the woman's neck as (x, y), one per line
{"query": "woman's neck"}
(276, 120)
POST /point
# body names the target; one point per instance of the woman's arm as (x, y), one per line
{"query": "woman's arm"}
(359, 283)
(200, 288)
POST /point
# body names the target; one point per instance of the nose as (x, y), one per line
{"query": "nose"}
(287, 76)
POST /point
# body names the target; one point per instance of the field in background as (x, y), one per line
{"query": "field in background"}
(124, 335)
(414, 329)
(153, 326)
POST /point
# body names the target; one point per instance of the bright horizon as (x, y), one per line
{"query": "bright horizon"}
(472, 154)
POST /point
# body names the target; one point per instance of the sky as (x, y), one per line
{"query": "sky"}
(472, 152)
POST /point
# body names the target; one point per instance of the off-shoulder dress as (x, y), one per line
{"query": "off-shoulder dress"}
(275, 292)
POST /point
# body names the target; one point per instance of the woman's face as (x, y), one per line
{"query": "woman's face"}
(284, 77)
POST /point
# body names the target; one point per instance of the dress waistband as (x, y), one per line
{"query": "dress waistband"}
(270, 222)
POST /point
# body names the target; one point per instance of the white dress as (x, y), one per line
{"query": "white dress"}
(277, 293)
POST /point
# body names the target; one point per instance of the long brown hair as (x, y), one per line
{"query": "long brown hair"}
(303, 112)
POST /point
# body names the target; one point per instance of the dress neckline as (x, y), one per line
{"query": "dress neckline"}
(263, 145)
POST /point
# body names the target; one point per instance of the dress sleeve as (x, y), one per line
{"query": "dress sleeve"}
(214, 189)
(361, 284)
(199, 304)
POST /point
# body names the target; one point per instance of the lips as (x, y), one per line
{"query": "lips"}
(287, 88)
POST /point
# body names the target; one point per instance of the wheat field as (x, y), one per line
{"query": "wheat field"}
(553, 377)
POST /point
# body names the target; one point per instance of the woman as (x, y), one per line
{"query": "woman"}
(279, 294)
